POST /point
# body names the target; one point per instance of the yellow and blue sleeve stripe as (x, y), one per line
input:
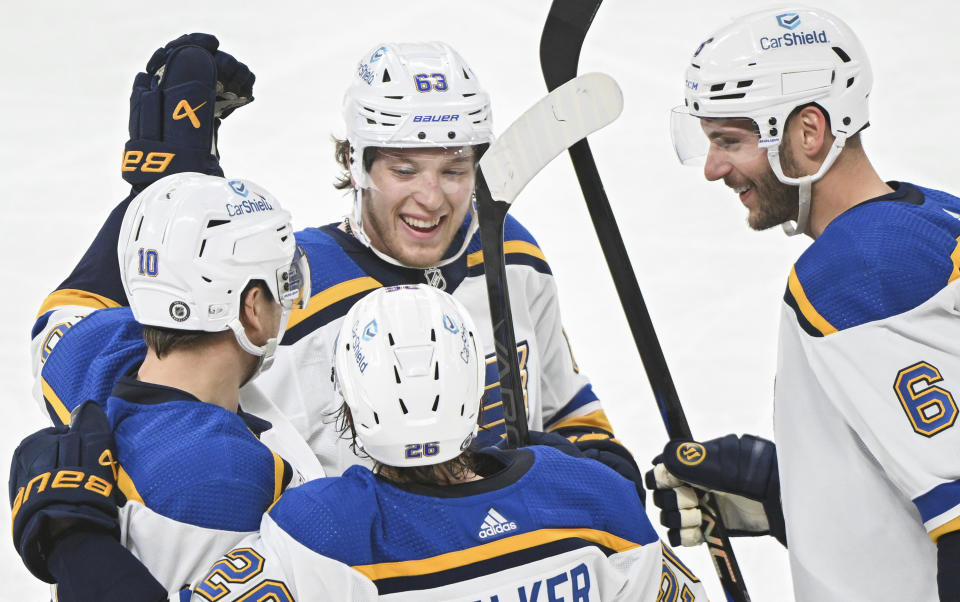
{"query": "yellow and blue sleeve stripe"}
(940, 509)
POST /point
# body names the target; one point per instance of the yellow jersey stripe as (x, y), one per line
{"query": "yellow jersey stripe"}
(595, 419)
(806, 308)
(510, 246)
(329, 296)
(125, 484)
(947, 527)
(54, 401)
(955, 258)
(452, 560)
(277, 476)
(72, 296)
(676, 562)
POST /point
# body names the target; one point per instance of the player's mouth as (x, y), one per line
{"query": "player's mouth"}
(422, 227)
(743, 192)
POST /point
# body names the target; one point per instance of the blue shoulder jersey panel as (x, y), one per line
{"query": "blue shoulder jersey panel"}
(89, 359)
(95, 281)
(190, 461)
(530, 510)
(343, 270)
(878, 259)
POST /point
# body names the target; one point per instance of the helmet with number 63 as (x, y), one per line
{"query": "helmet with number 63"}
(190, 243)
(408, 365)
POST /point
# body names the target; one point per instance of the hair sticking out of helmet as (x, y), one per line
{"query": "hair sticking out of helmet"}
(412, 95)
(762, 67)
(190, 243)
(410, 369)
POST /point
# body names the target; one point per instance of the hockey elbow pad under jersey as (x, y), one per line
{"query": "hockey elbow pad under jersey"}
(176, 107)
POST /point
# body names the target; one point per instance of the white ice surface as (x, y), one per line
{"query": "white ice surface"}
(712, 286)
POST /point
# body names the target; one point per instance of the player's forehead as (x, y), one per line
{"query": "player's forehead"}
(727, 127)
(441, 155)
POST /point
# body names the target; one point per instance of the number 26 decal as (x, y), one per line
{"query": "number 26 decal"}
(930, 409)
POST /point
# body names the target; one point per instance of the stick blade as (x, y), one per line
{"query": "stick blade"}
(568, 114)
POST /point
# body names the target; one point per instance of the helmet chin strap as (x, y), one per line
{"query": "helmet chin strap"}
(356, 218)
(805, 183)
(264, 353)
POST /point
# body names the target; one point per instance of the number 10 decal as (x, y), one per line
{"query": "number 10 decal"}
(929, 408)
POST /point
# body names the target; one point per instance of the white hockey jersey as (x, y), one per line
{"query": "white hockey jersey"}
(558, 397)
(865, 413)
(530, 532)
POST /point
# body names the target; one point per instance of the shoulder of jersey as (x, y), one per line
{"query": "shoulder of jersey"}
(88, 358)
(519, 247)
(195, 463)
(877, 260)
(337, 282)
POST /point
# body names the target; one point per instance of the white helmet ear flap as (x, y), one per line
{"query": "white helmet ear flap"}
(409, 367)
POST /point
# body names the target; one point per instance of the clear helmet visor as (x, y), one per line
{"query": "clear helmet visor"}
(293, 282)
(733, 139)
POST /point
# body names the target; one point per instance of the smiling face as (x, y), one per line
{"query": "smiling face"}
(418, 200)
(736, 158)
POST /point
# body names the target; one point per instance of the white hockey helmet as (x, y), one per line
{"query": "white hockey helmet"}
(412, 95)
(408, 365)
(190, 243)
(762, 67)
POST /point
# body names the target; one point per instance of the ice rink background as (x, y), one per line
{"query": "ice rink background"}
(712, 286)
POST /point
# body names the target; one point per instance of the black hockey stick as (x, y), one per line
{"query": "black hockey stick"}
(563, 35)
(565, 115)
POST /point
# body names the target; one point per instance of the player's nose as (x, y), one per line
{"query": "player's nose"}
(716, 166)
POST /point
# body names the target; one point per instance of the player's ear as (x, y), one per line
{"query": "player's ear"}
(814, 133)
(255, 311)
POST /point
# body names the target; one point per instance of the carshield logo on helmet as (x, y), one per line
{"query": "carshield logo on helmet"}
(377, 54)
(789, 20)
(449, 324)
(370, 330)
(240, 188)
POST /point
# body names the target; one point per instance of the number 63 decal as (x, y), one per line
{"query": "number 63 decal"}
(930, 409)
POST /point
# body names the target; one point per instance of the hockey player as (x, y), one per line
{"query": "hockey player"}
(437, 519)
(869, 357)
(211, 270)
(417, 122)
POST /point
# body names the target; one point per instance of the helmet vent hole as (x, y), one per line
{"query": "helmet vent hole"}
(217, 222)
(465, 74)
(717, 87)
(205, 279)
(728, 96)
(139, 225)
(203, 245)
(433, 335)
(396, 374)
(849, 82)
(394, 97)
(403, 408)
(745, 83)
(348, 346)
(436, 402)
(371, 121)
(843, 55)
(462, 408)
(436, 371)
(386, 76)
(469, 94)
(284, 238)
(392, 115)
(390, 338)
(376, 418)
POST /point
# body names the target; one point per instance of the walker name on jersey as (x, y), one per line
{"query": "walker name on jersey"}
(572, 586)
(248, 206)
(425, 118)
(794, 38)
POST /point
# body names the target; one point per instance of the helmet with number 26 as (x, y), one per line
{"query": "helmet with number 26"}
(762, 67)
(189, 245)
(408, 365)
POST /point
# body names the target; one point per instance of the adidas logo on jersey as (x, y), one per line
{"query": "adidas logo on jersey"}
(495, 524)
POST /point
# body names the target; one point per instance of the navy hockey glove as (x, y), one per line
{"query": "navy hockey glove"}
(176, 107)
(598, 444)
(741, 472)
(63, 479)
